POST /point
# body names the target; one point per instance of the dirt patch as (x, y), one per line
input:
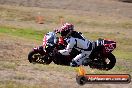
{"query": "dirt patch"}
(107, 7)
(13, 48)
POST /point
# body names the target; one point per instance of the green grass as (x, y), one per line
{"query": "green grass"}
(118, 69)
(54, 67)
(25, 33)
(67, 69)
(7, 65)
(123, 55)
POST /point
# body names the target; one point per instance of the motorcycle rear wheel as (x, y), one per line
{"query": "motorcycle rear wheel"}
(36, 57)
(106, 63)
(112, 61)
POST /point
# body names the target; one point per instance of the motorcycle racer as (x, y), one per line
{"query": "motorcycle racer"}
(77, 41)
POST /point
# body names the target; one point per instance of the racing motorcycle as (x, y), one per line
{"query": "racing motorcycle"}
(101, 56)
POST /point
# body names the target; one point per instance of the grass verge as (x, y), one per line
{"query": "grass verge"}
(26, 33)
(7, 65)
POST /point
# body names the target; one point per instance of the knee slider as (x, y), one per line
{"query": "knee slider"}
(73, 64)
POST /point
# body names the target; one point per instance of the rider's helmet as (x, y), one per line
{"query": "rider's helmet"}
(66, 29)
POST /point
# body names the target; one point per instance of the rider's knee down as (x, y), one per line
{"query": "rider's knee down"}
(73, 64)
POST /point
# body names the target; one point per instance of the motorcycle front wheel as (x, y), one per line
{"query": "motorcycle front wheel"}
(36, 57)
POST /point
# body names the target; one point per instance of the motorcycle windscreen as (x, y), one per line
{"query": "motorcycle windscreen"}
(50, 39)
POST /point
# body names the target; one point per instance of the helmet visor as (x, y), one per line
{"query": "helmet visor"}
(64, 33)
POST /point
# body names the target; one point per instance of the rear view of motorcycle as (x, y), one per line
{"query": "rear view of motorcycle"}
(101, 56)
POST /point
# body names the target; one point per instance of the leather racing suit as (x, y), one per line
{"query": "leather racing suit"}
(81, 44)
